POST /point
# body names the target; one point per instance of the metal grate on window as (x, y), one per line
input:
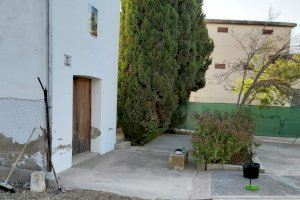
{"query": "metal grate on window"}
(267, 31)
(219, 66)
(222, 29)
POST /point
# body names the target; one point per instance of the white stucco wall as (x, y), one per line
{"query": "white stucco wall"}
(23, 58)
(92, 57)
(23, 48)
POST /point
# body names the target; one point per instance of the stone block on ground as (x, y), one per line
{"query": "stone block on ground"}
(201, 166)
(178, 161)
(38, 182)
(120, 137)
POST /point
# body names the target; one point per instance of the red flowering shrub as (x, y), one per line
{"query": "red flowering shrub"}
(221, 136)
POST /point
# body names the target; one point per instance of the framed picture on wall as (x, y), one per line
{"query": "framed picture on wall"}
(93, 18)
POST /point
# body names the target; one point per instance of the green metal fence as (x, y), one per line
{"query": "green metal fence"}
(271, 121)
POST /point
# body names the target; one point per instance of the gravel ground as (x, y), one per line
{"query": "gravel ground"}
(25, 194)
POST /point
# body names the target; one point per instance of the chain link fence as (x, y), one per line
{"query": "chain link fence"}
(18, 118)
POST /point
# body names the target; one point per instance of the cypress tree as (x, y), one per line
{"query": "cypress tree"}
(147, 68)
(194, 49)
(164, 53)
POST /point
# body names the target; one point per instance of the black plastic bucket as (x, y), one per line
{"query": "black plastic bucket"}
(251, 170)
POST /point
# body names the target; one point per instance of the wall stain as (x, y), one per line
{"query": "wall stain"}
(34, 146)
(63, 147)
(35, 150)
(95, 132)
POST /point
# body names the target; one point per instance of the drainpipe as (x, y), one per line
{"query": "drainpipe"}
(50, 67)
(49, 49)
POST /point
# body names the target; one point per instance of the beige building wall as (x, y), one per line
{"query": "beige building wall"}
(227, 51)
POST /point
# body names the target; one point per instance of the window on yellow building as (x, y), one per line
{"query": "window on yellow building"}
(222, 29)
(219, 66)
(267, 31)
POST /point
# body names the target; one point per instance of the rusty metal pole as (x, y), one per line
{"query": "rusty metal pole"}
(49, 135)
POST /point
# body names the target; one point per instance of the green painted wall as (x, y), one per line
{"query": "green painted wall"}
(271, 121)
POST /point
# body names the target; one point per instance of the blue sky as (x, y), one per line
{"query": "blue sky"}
(254, 10)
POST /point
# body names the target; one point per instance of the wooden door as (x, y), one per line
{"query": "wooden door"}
(81, 115)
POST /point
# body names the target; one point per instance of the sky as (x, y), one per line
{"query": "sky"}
(254, 10)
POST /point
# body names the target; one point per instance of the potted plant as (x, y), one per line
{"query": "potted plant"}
(251, 169)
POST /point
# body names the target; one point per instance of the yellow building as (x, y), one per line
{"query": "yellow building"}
(228, 50)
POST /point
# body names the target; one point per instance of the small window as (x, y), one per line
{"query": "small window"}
(222, 29)
(267, 32)
(93, 20)
(220, 66)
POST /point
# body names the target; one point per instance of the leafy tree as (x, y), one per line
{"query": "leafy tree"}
(267, 72)
(194, 48)
(275, 84)
(159, 63)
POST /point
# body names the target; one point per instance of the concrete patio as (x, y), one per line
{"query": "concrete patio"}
(280, 158)
(143, 172)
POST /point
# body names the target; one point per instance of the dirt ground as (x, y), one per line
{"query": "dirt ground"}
(64, 195)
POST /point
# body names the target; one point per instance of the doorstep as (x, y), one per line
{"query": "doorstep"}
(77, 159)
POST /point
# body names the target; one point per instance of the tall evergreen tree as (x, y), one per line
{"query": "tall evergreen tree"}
(164, 53)
(194, 49)
(147, 68)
